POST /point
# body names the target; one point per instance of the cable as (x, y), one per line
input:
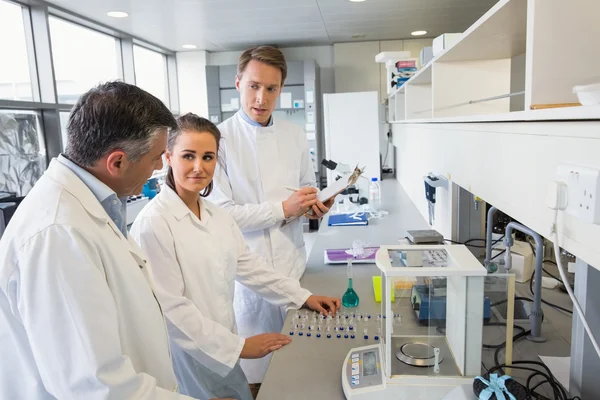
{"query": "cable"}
(499, 254)
(387, 149)
(547, 302)
(467, 243)
(484, 367)
(552, 276)
(563, 275)
(548, 273)
(559, 391)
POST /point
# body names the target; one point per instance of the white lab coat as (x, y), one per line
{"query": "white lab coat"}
(78, 317)
(195, 266)
(256, 164)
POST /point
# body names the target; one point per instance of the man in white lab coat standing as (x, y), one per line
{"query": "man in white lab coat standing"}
(261, 158)
(78, 316)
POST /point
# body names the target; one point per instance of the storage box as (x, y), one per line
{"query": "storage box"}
(444, 42)
(522, 260)
(426, 55)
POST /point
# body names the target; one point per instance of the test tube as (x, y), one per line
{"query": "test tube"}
(378, 334)
(399, 319)
(366, 333)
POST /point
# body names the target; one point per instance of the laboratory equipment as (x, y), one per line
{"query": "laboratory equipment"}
(430, 196)
(432, 182)
(375, 195)
(350, 298)
(425, 236)
(416, 362)
(430, 307)
(151, 188)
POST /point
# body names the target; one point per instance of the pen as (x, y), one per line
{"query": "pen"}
(291, 189)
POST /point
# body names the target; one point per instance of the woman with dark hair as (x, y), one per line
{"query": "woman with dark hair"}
(197, 253)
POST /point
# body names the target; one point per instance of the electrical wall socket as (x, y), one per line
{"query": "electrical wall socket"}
(583, 197)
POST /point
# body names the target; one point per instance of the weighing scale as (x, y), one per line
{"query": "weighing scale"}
(405, 365)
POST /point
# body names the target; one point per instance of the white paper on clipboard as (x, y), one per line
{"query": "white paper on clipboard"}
(332, 190)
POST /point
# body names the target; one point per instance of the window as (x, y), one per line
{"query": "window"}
(64, 120)
(22, 151)
(15, 81)
(82, 58)
(151, 72)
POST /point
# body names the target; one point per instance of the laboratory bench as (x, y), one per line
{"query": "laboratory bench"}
(311, 367)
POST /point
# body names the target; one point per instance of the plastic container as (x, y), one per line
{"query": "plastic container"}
(588, 95)
(375, 194)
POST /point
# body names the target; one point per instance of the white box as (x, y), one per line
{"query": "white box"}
(522, 260)
(444, 42)
(426, 55)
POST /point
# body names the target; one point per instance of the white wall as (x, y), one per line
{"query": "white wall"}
(191, 73)
(509, 165)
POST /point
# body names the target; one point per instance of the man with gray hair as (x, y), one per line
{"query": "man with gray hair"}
(78, 316)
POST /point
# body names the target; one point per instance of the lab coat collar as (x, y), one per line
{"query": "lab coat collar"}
(249, 120)
(71, 183)
(261, 129)
(179, 209)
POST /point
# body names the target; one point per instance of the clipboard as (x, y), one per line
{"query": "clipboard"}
(339, 186)
(334, 189)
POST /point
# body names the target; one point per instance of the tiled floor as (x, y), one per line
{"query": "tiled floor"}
(556, 328)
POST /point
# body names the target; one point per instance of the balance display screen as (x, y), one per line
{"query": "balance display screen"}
(369, 364)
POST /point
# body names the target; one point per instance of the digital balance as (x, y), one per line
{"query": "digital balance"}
(415, 360)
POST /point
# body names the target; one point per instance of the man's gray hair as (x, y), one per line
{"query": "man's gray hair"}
(115, 116)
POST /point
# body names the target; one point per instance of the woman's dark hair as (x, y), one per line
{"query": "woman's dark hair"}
(191, 122)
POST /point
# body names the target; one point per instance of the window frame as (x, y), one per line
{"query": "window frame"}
(41, 67)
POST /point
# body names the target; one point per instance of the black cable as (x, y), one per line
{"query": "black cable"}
(467, 243)
(387, 150)
(560, 280)
(495, 346)
(552, 276)
(499, 254)
(484, 367)
(547, 302)
(559, 392)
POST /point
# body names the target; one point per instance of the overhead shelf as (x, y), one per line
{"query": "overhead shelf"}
(581, 113)
(500, 33)
(507, 63)
(422, 77)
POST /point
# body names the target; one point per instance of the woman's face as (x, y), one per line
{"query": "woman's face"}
(193, 160)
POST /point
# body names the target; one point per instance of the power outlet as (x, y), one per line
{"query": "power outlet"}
(583, 198)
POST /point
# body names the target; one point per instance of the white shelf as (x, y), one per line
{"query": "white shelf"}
(422, 77)
(552, 114)
(499, 33)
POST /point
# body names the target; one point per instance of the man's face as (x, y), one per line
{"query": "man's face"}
(140, 171)
(259, 87)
